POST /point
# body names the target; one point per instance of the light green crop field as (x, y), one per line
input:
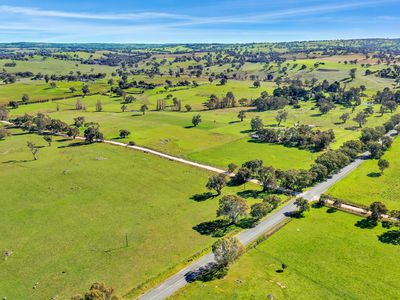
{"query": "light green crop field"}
(366, 185)
(327, 258)
(66, 215)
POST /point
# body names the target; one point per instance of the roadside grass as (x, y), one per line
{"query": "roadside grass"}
(66, 216)
(366, 185)
(328, 257)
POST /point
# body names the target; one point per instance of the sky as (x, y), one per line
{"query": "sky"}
(188, 21)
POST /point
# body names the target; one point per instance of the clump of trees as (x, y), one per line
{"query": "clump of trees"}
(232, 207)
(98, 291)
(301, 136)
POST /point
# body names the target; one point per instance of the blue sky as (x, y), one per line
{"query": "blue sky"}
(172, 21)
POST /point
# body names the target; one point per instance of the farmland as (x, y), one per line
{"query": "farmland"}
(321, 251)
(69, 211)
(290, 115)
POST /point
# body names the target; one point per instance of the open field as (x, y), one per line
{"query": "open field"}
(69, 211)
(328, 257)
(219, 140)
(367, 185)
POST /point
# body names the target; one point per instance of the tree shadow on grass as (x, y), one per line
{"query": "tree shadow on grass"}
(16, 161)
(390, 237)
(234, 122)
(249, 194)
(367, 223)
(246, 131)
(246, 223)
(76, 144)
(22, 133)
(189, 126)
(331, 210)
(202, 197)
(374, 174)
(207, 273)
(216, 228)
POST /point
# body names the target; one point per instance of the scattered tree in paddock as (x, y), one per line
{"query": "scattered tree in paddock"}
(345, 117)
(241, 115)
(34, 150)
(48, 139)
(256, 124)
(99, 106)
(196, 120)
(216, 183)
(188, 107)
(98, 291)
(123, 133)
(25, 98)
(383, 164)
(3, 113)
(281, 116)
(92, 134)
(73, 132)
(85, 90)
(260, 210)
(124, 107)
(3, 133)
(360, 119)
(143, 109)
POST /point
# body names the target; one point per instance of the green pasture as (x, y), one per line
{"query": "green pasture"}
(366, 185)
(67, 214)
(327, 257)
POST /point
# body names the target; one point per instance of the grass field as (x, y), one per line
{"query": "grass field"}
(219, 140)
(365, 185)
(66, 216)
(327, 258)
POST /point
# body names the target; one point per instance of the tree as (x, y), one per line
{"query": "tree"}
(232, 167)
(99, 106)
(3, 113)
(196, 120)
(72, 89)
(3, 133)
(98, 291)
(33, 149)
(377, 209)
(257, 84)
(143, 108)
(267, 177)
(272, 200)
(256, 124)
(383, 164)
(302, 205)
(79, 121)
(92, 133)
(188, 107)
(123, 133)
(241, 115)
(85, 90)
(53, 85)
(48, 139)
(79, 104)
(73, 132)
(345, 117)
(216, 182)
(124, 107)
(232, 207)
(361, 119)
(260, 210)
(25, 98)
(281, 116)
(223, 81)
(353, 73)
(227, 250)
